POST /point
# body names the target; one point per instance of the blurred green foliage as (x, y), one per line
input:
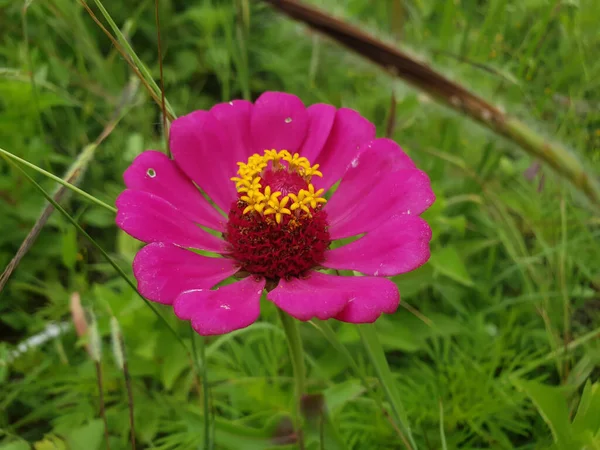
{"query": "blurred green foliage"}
(514, 273)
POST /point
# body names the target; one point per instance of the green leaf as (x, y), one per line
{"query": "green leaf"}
(339, 394)
(588, 412)
(448, 262)
(19, 445)
(552, 406)
(69, 247)
(89, 436)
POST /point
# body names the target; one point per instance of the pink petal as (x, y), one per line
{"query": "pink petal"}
(372, 296)
(154, 172)
(221, 310)
(350, 131)
(235, 116)
(400, 245)
(150, 218)
(320, 121)
(315, 296)
(279, 121)
(203, 150)
(401, 192)
(325, 296)
(163, 271)
(380, 182)
(375, 161)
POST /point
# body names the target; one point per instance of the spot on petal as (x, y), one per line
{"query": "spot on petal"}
(288, 120)
(151, 172)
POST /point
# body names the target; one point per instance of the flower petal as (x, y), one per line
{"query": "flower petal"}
(400, 245)
(325, 296)
(221, 310)
(349, 132)
(163, 271)
(154, 172)
(376, 160)
(380, 182)
(150, 218)
(401, 192)
(279, 121)
(235, 116)
(314, 296)
(320, 121)
(202, 149)
(372, 297)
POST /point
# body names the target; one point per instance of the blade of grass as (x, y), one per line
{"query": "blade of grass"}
(30, 69)
(205, 388)
(332, 338)
(73, 176)
(375, 352)
(10, 157)
(122, 44)
(121, 360)
(143, 75)
(111, 261)
(560, 352)
(442, 431)
(162, 78)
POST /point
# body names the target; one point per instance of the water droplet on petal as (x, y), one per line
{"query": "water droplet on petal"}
(151, 173)
(288, 120)
(231, 103)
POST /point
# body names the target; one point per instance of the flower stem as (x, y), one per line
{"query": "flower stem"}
(292, 334)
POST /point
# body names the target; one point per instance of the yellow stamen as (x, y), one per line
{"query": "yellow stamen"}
(255, 200)
(266, 202)
(277, 207)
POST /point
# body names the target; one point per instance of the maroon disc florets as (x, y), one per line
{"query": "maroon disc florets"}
(274, 250)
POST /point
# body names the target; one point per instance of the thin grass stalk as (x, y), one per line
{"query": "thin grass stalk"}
(134, 62)
(162, 78)
(101, 400)
(115, 266)
(201, 371)
(73, 176)
(94, 348)
(121, 360)
(123, 45)
(376, 354)
(30, 69)
(446, 91)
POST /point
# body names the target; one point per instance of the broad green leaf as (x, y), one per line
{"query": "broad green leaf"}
(339, 394)
(19, 445)
(588, 412)
(448, 262)
(89, 436)
(552, 406)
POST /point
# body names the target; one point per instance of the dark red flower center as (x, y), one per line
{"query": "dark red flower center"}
(277, 228)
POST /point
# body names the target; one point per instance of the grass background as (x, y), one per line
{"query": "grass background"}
(486, 352)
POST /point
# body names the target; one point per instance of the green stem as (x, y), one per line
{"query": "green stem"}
(292, 334)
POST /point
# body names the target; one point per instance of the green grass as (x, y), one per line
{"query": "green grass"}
(486, 352)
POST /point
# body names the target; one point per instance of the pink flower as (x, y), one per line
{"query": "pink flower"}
(266, 166)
